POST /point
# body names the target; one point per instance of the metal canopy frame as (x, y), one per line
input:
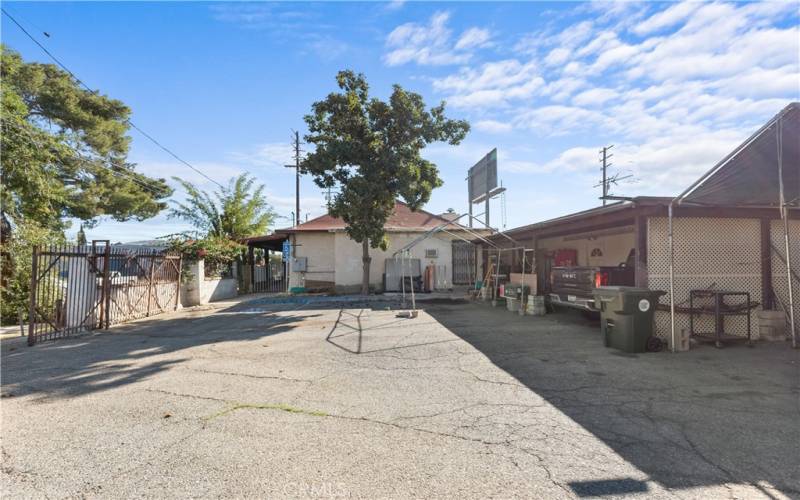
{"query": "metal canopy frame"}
(405, 251)
(776, 123)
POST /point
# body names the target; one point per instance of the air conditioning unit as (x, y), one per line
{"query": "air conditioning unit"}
(431, 253)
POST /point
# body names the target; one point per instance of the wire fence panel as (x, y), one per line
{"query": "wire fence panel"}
(76, 289)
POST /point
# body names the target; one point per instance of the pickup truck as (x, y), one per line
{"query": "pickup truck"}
(572, 286)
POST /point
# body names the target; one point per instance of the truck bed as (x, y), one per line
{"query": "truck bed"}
(573, 286)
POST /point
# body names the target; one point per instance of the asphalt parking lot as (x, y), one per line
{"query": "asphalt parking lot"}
(348, 400)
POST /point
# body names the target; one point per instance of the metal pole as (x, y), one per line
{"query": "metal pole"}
(32, 305)
(605, 182)
(413, 299)
(496, 278)
(150, 284)
(403, 277)
(297, 174)
(671, 280)
(522, 295)
(785, 217)
(178, 284)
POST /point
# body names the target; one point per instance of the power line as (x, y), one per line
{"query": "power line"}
(127, 120)
(114, 169)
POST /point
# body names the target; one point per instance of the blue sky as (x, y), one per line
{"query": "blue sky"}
(674, 86)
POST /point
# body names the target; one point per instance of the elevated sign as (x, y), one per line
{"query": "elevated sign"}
(482, 179)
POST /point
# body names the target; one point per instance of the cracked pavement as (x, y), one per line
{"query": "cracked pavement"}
(348, 400)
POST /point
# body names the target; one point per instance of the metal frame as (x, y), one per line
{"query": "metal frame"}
(73, 289)
(783, 205)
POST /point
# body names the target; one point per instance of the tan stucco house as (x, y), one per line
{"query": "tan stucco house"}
(326, 259)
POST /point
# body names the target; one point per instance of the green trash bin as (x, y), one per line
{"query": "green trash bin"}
(626, 316)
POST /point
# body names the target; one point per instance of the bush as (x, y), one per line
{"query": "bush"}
(218, 253)
(17, 258)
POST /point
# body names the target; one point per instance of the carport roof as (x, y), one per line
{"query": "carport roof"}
(748, 176)
(620, 211)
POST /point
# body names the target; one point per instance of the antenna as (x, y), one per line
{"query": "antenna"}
(608, 180)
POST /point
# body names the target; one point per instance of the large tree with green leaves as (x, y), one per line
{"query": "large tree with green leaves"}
(371, 150)
(64, 155)
(64, 151)
(234, 212)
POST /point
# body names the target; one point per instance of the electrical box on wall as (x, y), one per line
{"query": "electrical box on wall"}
(299, 264)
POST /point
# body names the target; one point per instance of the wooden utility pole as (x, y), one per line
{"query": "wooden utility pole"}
(296, 166)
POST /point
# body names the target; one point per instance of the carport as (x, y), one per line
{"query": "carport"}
(763, 172)
(737, 228)
(264, 271)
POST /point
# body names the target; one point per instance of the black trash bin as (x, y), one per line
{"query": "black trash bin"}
(626, 316)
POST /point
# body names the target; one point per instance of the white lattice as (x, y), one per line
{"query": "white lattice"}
(709, 253)
(780, 281)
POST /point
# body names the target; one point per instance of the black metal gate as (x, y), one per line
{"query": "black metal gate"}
(269, 277)
(76, 289)
(463, 263)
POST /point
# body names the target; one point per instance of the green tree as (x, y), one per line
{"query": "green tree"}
(234, 212)
(371, 150)
(64, 151)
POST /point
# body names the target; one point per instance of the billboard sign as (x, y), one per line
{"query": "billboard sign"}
(483, 177)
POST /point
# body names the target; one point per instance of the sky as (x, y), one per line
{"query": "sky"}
(673, 86)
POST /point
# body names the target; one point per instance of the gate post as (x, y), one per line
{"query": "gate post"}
(178, 284)
(150, 284)
(106, 290)
(32, 306)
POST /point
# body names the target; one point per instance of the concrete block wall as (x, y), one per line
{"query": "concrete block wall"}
(198, 290)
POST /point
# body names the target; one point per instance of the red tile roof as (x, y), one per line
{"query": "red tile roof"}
(403, 218)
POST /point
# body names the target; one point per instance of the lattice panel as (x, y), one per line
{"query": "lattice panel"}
(709, 253)
(780, 282)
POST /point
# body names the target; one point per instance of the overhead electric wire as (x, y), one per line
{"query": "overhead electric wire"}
(127, 120)
(114, 169)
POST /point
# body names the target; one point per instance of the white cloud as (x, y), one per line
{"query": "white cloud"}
(431, 43)
(271, 154)
(594, 97)
(492, 126)
(676, 90)
(557, 56)
(395, 4)
(473, 37)
(493, 84)
(667, 18)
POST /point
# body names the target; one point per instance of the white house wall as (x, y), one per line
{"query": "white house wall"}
(348, 257)
(335, 258)
(320, 250)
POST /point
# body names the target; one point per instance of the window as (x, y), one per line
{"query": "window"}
(431, 253)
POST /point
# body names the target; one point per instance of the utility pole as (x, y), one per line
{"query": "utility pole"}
(296, 166)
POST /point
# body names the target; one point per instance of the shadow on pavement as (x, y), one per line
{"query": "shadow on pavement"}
(133, 352)
(699, 418)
